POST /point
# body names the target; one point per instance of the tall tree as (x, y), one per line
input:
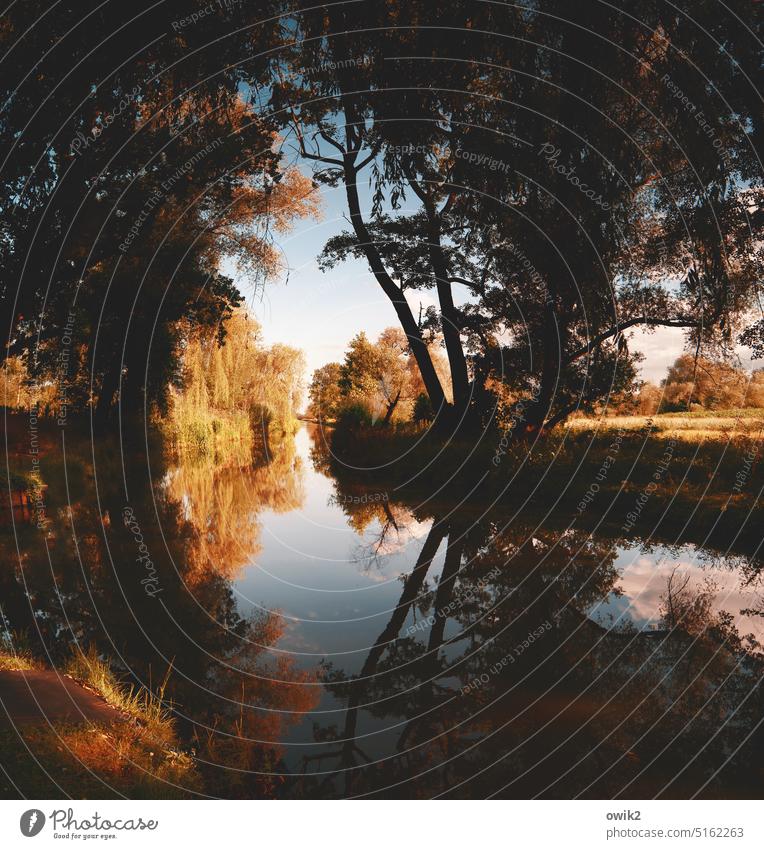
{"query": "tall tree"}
(575, 171)
(324, 392)
(132, 165)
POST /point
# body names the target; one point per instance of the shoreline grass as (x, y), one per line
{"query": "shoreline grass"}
(149, 709)
(137, 756)
(15, 654)
(692, 426)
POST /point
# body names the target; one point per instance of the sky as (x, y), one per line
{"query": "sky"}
(320, 312)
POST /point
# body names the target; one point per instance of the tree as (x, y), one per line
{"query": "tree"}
(754, 395)
(565, 219)
(648, 401)
(280, 395)
(131, 171)
(395, 377)
(380, 376)
(324, 392)
(360, 371)
(256, 387)
(374, 374)
(711, 384)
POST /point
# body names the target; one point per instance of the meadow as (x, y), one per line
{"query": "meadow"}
(695, 426)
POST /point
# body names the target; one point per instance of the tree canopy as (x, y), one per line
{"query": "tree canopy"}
(134, 165)
(379, 379)
(557, 176)
(710, 384)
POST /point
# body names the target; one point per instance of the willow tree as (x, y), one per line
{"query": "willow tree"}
(556, 175)
(131, 167)
(261, 383)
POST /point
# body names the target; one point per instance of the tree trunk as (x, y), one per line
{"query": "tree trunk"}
(400, 304)
(411, 589)
(391, 409)
(450, 323)
(407, 321)
(444, 593)
(537, 414)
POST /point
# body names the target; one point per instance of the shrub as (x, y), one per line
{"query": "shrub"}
(355, 416)
(423, 411)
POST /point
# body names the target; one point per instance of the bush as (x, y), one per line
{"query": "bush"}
(423, 411)
(355, 416)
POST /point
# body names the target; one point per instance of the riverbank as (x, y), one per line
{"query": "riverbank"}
(77, 731)
(684, 475)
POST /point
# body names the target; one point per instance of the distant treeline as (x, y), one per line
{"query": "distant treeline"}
(697, 384)
(232, 392)
(377, 383)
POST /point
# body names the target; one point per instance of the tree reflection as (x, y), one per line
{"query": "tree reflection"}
(491, 676)
(222, 505)
(512, 688)
(81, 582)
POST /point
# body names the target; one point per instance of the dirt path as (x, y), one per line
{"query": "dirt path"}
(33, 697)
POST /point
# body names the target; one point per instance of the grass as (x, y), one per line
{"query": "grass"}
(735, 413)
(138, 756)
(147, 708)
(214, 434)
(15, 656)
(731, 431)
(92, 763)
(230, 438)
(693, 427)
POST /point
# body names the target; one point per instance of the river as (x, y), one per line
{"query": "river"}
(325, 637)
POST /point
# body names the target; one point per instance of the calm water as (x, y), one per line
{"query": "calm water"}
(329, 638)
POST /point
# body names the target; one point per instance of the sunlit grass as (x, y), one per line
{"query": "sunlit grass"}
(205, 433)
(141, 704)
(138, 755)
(127, 757)
(15, 655)
(97, 761)
(690, 427)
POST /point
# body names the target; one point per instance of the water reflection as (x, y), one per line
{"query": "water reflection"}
(81, 582)
(222, 504)
(327, 638)
(525, 695)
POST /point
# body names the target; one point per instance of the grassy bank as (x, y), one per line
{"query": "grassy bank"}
(688, 475)
(694, 427)
(217, 435)
(138, 756)
(227, 437)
